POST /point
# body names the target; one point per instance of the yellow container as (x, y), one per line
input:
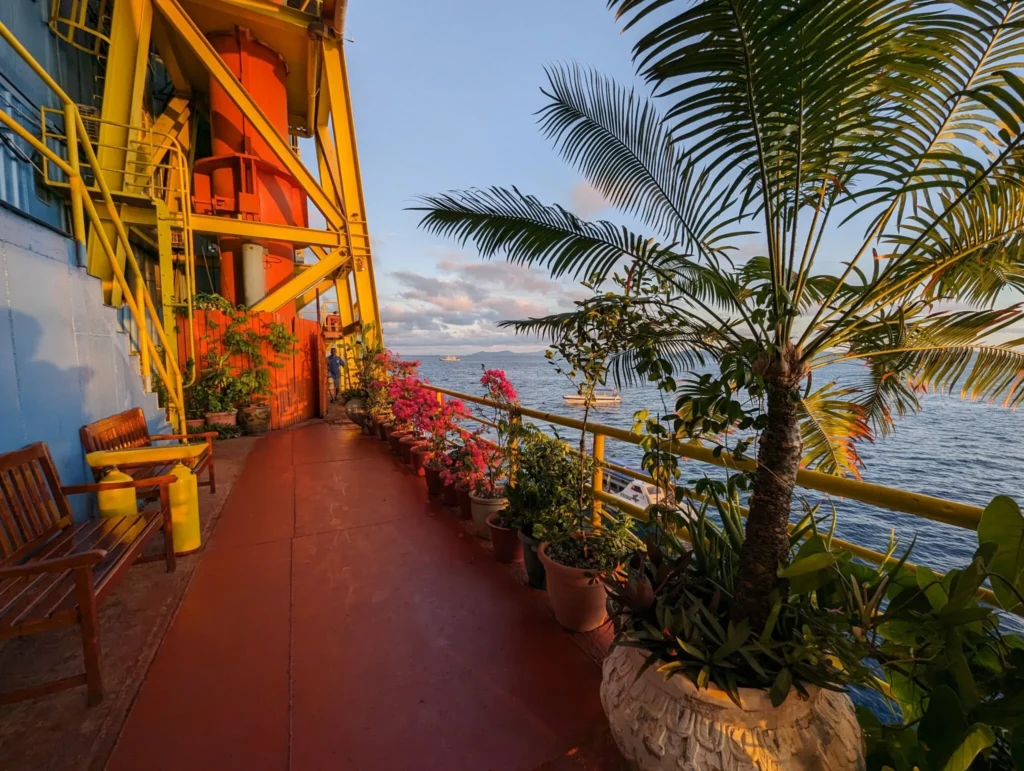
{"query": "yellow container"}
(185, 510)
(117, 503)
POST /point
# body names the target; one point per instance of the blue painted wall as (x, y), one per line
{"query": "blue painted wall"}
(64, 356)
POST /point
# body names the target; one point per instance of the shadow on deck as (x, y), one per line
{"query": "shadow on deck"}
(339, 619)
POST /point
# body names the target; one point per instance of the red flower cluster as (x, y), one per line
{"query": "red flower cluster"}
(472, 464)
(410, 402)
(498, 386)
(440, 422)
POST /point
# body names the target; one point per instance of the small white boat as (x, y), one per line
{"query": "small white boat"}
(450, 358)
(602, 397)
(629, 490)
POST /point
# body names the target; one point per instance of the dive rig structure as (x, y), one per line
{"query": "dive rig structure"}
(180, 169)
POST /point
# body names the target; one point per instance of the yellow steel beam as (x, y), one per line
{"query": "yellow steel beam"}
(193, 37)
(225, 226)
(212, 225)
(172, 126)
(123, 91)
(261, 11)
(169, 56)
(167, 297)
(334, 80)
(311, 295)
(303, 282)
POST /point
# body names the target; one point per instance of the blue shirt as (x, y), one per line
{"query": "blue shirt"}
(334, 365)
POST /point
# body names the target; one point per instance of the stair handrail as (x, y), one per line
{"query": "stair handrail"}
(81, 203)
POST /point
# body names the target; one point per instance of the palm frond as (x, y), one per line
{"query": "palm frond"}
(831, 425)
(940, 111)
(620, 143)
(948, 351)
(527, 232)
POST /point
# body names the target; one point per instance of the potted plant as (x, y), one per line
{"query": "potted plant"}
(438, 421)
(504, 537)
(541, 494)
(410, 405)
(462, 472)
(577, 557)
(488, 494)
(680, 668)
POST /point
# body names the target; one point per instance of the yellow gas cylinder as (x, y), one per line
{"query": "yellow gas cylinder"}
(184, 510)
(116, 503)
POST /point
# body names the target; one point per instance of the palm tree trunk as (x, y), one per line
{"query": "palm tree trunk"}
(766, 546)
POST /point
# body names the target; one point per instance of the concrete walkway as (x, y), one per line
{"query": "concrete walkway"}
(337, 620)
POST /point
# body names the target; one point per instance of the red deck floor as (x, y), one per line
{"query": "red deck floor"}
(337, 620)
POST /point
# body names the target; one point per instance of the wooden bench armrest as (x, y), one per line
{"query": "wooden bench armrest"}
(55, 565)
(136, 483)
(203, 435)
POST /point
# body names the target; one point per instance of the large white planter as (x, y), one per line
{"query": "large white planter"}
(481, 509)
(669, 725)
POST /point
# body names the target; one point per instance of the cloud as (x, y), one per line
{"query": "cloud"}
(586, 201)
(458, 308)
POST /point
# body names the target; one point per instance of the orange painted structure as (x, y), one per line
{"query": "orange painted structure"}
(243, 178)
(295, 387)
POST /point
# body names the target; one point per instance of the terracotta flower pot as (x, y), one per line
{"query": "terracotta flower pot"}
(505, 542)
(481, 509)
(671, 724)
(255, 418)
(197, 424)
(222, 418)
(462, 497)
(394, 439)
(382, 431)
(405, 445)
(433, 477)
(578, 597)
(535, 575)
(419, 455)
(448, 496)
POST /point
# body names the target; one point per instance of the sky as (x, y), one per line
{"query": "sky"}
(444, 95)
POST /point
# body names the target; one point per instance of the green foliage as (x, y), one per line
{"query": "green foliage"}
(675, 599)
(543, 493)
(352, 393)
(784, 127)
(222, 385)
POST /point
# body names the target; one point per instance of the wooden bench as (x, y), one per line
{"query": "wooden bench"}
(55, 572)
(128, 429)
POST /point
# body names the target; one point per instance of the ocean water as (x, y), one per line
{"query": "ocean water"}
(960, 450)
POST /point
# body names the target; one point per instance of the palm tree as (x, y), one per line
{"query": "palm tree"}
(882, 136)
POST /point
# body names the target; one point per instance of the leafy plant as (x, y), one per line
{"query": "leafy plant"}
(584, 344)
(543, 493)
(223, 385)
(887, 135)
(957, 678)
(506, 421)
(673, 602)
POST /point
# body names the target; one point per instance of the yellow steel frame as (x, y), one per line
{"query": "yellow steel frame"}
(139, 304)
(122, 107)
(140, 176)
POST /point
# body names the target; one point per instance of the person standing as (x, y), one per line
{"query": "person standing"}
(334, 365)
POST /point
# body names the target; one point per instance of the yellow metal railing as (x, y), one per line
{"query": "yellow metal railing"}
(155, 169)
(138, 299)
(81, 23)
(925, 506)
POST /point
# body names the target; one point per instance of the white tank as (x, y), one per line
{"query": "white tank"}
(254, 281)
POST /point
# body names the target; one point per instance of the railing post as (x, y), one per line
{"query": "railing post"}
(139, 289)
(77, 185)
(598, 482)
